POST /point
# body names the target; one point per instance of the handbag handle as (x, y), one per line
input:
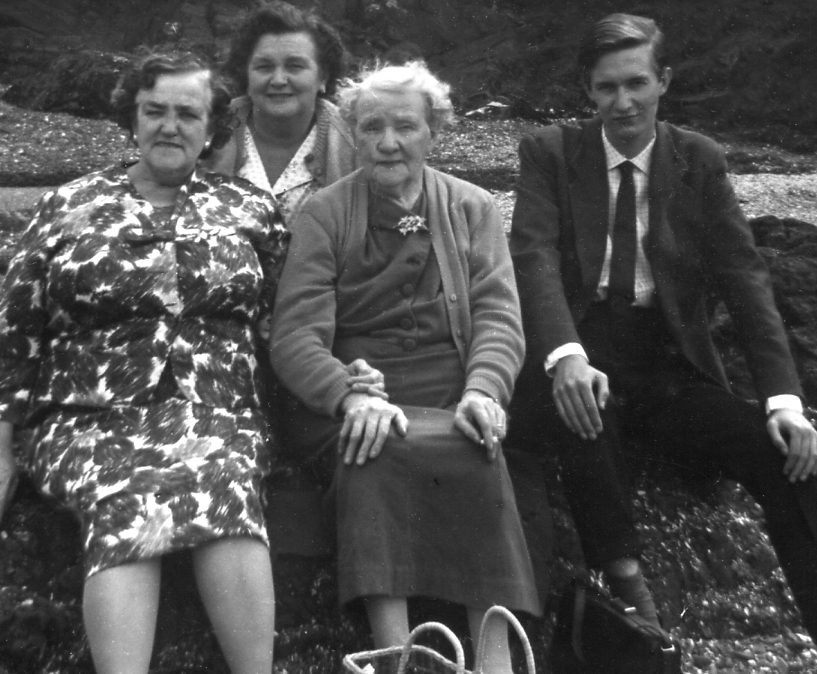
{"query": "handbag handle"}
(501, 611)
(428, 627)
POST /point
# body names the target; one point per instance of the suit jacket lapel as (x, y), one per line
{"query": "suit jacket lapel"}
(666, 196)
(590, 203)
(666, 178)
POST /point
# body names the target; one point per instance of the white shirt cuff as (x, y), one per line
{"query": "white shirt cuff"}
(569, 349)
(785, 401)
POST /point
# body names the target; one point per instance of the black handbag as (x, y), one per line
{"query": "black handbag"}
(598, 635)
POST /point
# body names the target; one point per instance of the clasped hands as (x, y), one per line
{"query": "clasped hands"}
(369, 417)
(580, 392)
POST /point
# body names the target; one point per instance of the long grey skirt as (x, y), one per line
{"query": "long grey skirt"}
(430, 516)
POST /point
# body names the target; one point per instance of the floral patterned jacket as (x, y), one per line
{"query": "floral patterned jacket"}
(103, 294)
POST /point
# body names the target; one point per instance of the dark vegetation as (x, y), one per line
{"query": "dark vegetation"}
(743, 74)
(741, 66)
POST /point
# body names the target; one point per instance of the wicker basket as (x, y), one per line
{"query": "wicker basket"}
(417, 659)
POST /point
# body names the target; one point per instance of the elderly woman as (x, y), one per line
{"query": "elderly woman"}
(408, 268)
(127, 339)
(291, 140)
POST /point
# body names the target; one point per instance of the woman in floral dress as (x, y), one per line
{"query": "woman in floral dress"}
(127, 341)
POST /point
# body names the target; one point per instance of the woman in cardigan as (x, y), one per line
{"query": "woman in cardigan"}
(409, 269)
(290, 140)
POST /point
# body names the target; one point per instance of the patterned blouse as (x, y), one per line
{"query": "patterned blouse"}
(104, 294)
(294, 186)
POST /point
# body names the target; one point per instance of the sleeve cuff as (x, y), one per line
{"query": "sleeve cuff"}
(785, 401)
(486, 385)
(569, 349)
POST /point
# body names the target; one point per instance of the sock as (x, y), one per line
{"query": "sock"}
(633, 590)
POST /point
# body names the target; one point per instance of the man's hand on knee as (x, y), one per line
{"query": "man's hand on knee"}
(580, 391)
(796, 438)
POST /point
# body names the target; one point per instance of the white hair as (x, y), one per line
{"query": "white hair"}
(413, 76)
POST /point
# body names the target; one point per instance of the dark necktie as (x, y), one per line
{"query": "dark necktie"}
(622, 262)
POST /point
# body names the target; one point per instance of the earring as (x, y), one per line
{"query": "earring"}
(322, 89)
(207, 145)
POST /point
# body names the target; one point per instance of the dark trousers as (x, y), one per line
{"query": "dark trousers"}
(682, 417)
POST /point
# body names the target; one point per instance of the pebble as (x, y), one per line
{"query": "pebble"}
(701, 661)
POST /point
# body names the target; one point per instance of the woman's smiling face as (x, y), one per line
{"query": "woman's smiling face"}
(283, 76)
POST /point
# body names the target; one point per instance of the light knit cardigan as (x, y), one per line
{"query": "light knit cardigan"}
(477, 278)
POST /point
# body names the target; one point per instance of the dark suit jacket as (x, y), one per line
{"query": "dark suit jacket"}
(698, 242)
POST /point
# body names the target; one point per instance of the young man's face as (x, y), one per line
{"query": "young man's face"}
(626, 89)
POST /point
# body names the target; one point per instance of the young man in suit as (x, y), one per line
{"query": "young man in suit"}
(623, 228)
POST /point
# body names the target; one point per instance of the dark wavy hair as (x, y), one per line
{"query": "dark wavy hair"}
(142, 75)
(616, 32)
(279, 18)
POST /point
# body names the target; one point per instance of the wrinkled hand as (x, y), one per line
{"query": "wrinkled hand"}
(8, 467)
(366, 379)
(796, 438)
(580, 392)
(481, 420)
(264, 326)
(368, 420)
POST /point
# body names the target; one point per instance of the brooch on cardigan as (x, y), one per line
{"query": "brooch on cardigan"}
(411, 223)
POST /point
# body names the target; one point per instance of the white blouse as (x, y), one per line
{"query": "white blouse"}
(294, 186)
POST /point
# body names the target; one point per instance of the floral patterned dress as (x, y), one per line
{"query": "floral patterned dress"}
(127, 341)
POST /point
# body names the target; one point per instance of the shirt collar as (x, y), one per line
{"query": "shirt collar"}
(297, 172)
(642, 160)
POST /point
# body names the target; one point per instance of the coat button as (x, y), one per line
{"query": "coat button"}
(452, 297)
(409, 344)
(406, 323)
(407, 290)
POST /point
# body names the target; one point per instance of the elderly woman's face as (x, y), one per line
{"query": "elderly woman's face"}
(393, 139)
(172, 124)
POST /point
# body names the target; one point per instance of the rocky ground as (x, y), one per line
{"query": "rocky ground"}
(44, 149)
(709, 560)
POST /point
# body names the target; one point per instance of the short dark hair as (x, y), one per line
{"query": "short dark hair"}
(279, 18)
(154, 62)
(616, 32)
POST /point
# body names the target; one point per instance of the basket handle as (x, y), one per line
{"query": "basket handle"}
(502, 612)
(427, 627)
